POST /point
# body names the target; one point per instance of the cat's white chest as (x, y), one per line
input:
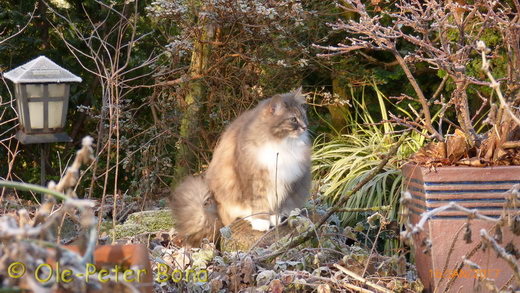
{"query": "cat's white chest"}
(285, 161)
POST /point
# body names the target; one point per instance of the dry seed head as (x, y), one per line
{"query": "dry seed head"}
(372, 220)
(467, 234)
(405, 236)
(51, 185)
(87, 218)
(87, 141)
(471, 264)
(498, 234)
(406, 197)
(511, 249)
(481, 46)
(44, 211)
(515, 225)
(24, 218)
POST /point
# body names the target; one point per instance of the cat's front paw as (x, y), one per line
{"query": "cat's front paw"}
(260, 224)
(275, 220)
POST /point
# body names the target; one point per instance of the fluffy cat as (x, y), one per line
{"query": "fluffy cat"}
(260, 171)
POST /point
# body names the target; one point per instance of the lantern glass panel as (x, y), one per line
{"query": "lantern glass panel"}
(55, 114)
(21, 112)
(34, 90)
(36, 114)
(56, 90)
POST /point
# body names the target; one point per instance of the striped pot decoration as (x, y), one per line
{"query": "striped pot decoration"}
(481, 189)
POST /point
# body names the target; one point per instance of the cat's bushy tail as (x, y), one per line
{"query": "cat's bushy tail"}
(195, 211)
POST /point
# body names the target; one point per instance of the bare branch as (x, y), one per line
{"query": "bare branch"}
(494, 84)
(511, 260)
(31, 16)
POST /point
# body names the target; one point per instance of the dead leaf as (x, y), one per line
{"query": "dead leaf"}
(248, 269)
(216, 285)
(473, 162)
(234, 278)
(265, 277)
(324, 288)
(287, 279)
(433, 152)
(277, 286)
(515, 157)
(456, 146)
(511, 145)
(500, 153)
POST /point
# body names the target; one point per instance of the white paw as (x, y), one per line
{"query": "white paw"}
(274, 219)
(260, 224)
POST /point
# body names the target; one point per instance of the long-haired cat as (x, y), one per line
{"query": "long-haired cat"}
(260, 171)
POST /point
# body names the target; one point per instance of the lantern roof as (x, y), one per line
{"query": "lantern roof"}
(41, 70)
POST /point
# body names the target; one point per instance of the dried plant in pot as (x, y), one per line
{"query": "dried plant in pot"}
(463, 185)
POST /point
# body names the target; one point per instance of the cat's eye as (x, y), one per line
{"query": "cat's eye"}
(293, 119)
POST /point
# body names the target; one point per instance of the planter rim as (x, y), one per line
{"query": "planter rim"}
(415, 165)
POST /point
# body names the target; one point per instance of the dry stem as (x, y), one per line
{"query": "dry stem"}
(511, 261)
(494, 84)
(361, 279)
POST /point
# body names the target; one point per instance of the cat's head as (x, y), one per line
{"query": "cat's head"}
(285, 114)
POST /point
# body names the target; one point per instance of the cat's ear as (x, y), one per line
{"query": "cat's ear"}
(275, 104)
(299, 96)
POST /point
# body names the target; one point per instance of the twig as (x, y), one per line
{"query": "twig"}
(450, 252)
(439, 88)
(31, 16)
(481, 46)
(484, 104)
(369, 209)
(489, 284)
(177, 81)
(506, 284)
(361, 279)
(452, 205)
(461, 265)
(356, 288)
(383, 222)
(378, 62)
(511, 261)
(511, 145)
(422, 99)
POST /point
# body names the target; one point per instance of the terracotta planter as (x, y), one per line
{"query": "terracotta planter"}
(132, 257)
(483, 189)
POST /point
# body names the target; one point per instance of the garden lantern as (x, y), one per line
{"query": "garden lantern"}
(42, 98)
(41, 89)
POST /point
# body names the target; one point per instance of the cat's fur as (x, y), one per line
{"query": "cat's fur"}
(195, 211)
(260, 171)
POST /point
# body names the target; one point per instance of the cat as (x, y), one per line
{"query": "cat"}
(260, 171)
